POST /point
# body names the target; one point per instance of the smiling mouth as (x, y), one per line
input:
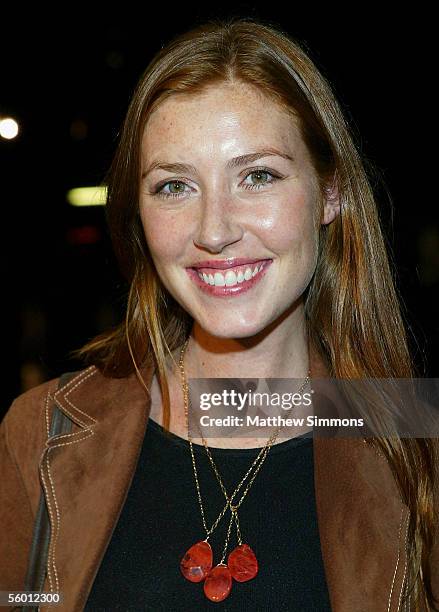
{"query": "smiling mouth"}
(230, 277)
(232, 281)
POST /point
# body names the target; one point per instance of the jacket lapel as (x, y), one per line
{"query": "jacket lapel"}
(362, 520)
(362, 524)
(86, 475)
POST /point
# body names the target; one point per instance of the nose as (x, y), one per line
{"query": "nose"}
(218, 226)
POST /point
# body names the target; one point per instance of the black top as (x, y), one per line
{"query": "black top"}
(161, 519)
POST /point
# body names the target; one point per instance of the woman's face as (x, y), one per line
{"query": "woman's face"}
(230, 207)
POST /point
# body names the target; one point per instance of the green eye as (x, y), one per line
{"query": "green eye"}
(262, 179)
(262, 173)
(170, 194)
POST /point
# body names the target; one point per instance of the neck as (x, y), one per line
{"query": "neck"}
(279, 351)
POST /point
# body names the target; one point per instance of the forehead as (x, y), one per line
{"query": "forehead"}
(237, 114)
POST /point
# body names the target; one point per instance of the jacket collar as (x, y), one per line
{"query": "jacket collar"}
(86, 475)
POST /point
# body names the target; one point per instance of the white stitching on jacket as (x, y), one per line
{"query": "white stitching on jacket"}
(67, 435)
(82, 377)
(51, 522)
(58, 514)
(91, 373)
(57, 517)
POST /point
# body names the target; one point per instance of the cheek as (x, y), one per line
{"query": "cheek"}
(164, 236)
(292, 226)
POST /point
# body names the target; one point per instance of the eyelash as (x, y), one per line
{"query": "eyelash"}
(164, 195)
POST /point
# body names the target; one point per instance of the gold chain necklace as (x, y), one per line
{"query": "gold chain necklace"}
(242, 564)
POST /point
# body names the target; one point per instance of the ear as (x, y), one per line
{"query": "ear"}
(331, 203)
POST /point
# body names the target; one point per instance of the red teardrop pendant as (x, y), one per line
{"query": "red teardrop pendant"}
(197, 562)
(218, 583)
(242, 563)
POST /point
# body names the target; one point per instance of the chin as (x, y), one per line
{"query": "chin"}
(231, 329)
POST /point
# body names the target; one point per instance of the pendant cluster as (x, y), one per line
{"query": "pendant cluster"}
(196, 566)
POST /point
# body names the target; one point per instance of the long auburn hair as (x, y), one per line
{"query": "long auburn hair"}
(353, 312)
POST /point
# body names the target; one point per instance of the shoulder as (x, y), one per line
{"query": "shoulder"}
(31, 405)
(25, 424)
(84, 391)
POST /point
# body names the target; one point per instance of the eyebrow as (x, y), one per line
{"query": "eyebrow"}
(235, 162)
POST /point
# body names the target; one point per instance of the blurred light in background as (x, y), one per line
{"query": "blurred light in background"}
(87, 196)
(8, 128)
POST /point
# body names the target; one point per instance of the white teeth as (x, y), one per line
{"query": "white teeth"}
(230, 278)
(219, 280)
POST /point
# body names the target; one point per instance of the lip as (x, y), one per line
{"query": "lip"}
(225, 264)
(225, 291)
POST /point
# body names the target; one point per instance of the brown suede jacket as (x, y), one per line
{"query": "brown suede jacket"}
(85, 476)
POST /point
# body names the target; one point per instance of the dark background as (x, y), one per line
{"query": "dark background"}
(68, 80)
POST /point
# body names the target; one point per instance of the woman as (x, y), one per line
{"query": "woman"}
(243, 218)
